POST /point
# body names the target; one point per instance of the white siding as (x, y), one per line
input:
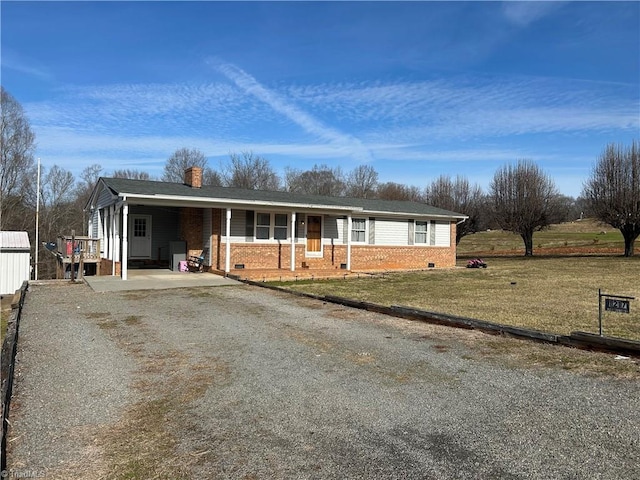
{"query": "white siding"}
(15, 261)
(391, 232)
(443, 234)
(105, 199)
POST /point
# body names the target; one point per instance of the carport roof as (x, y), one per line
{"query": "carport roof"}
(122, 187)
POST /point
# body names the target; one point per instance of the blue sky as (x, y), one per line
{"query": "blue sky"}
(414, 89)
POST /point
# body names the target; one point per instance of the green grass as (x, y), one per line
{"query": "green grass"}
(585, 235)
(555, 294)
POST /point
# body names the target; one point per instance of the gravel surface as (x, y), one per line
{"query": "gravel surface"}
(242, 382)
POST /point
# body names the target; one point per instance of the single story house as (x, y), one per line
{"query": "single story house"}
(142, 221)
(15, 261)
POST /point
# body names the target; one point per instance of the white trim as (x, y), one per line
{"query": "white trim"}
(250, 204)
(272, 227)
(366, 231)
(349, 219)
(125, 242)
(307, 253)
(227, 260)
(292, 223)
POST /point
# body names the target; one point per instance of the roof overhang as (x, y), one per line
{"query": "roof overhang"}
(178, 201)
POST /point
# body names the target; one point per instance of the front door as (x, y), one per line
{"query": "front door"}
(314, 235)
(140, 236)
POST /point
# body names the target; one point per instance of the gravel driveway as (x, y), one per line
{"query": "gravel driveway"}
(242, 382)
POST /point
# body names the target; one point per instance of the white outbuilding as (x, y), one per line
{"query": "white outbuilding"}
(15, 261)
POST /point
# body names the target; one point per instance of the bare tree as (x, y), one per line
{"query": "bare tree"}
(524, 200)
(16, 159)
(58, 213)
(320, 180)
(246, 170)
(458, 196)
(613, 191)
(132, 174)
(211, 177)
(362, 182)
(182, 159)
(398, 191)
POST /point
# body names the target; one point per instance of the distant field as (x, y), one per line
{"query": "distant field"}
(551, 293)
(584, 236)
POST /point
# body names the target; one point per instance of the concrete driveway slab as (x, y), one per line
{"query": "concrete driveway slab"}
(152, 279)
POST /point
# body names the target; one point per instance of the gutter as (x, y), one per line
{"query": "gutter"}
(233, 202)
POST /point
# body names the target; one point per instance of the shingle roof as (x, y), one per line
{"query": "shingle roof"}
(123, 186)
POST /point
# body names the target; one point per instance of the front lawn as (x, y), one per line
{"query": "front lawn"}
(551, 294)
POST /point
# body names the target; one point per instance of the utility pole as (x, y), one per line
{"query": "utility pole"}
(37, 222)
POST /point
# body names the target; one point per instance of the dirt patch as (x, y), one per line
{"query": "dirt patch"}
(144, 442)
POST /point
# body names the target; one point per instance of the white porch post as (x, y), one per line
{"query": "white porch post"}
(293, 241)
(125, 241)
(114, 240)
(111, 229)
(227, 260)
(349, 219)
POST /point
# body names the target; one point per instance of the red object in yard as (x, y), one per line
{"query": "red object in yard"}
(69, 248)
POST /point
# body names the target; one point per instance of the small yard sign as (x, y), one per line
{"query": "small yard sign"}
(612, 303)
(616, 305)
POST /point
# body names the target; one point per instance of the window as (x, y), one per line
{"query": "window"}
(421, 232)
(271, 226)
(139, 227)
(263, 226)
(280, 226)
(359, 230)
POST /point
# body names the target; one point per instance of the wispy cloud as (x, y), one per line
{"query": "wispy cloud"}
(20, 63)
(418, 128)
(464, 108)
(350, 144)
(523, 13)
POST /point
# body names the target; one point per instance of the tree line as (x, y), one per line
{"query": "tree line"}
(521, 197)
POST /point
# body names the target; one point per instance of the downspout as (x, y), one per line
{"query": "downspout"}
(227, 260)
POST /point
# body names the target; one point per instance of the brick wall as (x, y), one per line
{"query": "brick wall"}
(256, 256)
(216, 238)
(191, 229)
(400, 258)
(106, 265)
(369, 257)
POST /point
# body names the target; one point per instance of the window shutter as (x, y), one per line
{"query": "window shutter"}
(345, 231)
(412, 232)
(432, 232)
(372, 231)
(249, 220)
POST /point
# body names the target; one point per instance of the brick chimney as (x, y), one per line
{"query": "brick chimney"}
(193, 177)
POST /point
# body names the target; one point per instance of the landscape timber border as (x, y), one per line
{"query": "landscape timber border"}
(7, 365)
(582, 340)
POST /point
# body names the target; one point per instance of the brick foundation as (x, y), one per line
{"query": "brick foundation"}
(269, 256)
(106, 266)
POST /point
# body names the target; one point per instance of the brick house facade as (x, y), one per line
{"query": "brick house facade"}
(141, 221)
